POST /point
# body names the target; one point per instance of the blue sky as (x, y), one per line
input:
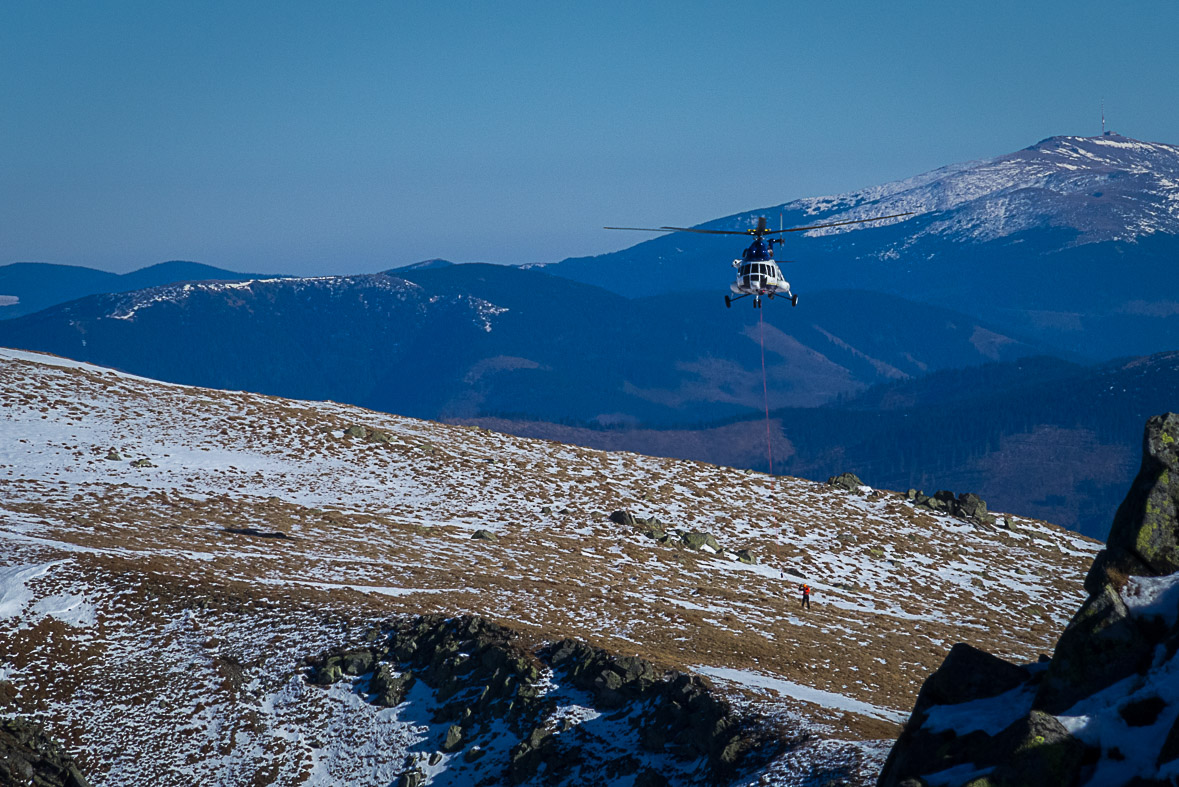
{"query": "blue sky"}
(319, 137)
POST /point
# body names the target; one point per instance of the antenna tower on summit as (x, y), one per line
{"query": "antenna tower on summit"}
(1103, 117)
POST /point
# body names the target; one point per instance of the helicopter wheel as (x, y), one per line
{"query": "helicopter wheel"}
(728, 302)
(757, 302)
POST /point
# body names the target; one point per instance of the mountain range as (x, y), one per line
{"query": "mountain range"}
(1071, 242)
(470, 340)
(27, 287)
(984, 346)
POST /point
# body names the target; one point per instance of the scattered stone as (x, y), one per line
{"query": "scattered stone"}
(745, 556)
(145, 462)
(412, 778)
(485, 535)
(114, 456)
(356, 430)
(546, 510)
(454, 738)
(964, 506)
(377, 436)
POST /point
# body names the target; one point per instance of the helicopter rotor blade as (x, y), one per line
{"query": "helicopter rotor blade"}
(710, 232)
(638, 229)
(842, 223)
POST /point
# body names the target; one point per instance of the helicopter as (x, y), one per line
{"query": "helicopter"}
(757, 272)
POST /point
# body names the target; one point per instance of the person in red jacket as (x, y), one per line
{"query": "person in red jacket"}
(806, 595)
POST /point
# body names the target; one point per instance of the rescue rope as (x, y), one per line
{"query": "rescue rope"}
(765, 389)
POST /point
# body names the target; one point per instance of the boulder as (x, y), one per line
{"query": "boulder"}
(1101, 645)
(145, 462)
(745, 556)
(1170, 748)
(454, 738)
(1146, 524)
(485, 535)
(1042, 752)
(849, 481)
(389, 687)
(969, 674)
(624, 518)
(971, 505)
(356, 430)
(966, 675)
(356, 662)
(698, 540)
(114, 456)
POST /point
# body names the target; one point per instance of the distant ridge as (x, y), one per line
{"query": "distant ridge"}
(39, 285)
(424, 265)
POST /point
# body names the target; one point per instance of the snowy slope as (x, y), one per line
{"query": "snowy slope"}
(154, 617)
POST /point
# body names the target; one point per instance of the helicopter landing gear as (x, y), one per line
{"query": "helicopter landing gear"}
(757, 301)
(728, 302)
(794, 300)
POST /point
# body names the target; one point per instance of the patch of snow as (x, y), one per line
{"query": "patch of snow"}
(992, 715)
(1153, 597)
(826, 699)
(1097, 721)
(15, 593)
(72, 609)
(958, 775)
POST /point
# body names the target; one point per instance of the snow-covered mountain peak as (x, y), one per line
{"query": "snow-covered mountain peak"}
(1103, 188)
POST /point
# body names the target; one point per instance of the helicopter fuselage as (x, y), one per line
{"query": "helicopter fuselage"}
(757, 273)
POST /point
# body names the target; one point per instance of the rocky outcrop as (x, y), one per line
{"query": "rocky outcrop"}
(1143, 538)
(966, 505)
(1104, 643)
(28, 756)
(484, 684)
(1124, 639)
(362, 432)
(694, 539)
